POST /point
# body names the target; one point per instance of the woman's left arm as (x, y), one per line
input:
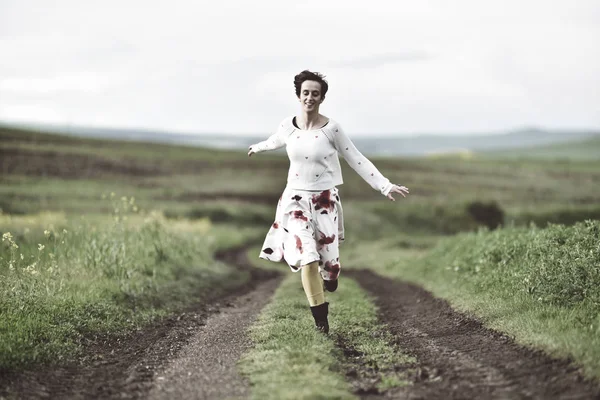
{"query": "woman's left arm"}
(363, 166)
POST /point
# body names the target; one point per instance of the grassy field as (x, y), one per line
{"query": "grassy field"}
(36, 168)
(112, 273)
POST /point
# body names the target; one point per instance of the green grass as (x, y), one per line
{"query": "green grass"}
(291, 360)
(541, 286)
(63, 279)
(234, 212)
(114, 149)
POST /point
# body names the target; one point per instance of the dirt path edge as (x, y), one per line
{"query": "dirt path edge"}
(458, 357)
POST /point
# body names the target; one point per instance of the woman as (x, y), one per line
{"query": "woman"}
(309, 223)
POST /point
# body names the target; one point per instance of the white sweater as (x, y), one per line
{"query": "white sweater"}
(313, 154)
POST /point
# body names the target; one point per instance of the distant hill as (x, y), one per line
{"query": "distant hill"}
(427, 144)
(371, 145)
(577, 149)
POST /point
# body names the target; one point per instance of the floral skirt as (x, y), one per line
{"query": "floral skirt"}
(308, 227)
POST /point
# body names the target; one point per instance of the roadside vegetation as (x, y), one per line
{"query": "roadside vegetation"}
(64, 279)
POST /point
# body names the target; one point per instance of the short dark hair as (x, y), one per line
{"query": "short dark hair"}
(307, 75)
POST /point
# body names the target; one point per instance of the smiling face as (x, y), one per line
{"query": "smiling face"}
(310, 96)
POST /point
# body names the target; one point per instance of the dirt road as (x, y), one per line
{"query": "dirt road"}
(205, 368)
(193, 355)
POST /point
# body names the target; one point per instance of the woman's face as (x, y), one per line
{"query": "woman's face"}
(310, 96)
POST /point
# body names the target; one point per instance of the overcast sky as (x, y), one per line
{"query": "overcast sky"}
(397, 67)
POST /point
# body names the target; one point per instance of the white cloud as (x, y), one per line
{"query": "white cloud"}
(228, 66)
(78, 82)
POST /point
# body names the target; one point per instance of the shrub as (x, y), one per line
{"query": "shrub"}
(486, 214)
(558, 264)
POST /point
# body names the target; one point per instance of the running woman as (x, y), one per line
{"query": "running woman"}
(309, 224)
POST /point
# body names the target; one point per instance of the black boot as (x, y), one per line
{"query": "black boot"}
(320, 315)
(330, 286)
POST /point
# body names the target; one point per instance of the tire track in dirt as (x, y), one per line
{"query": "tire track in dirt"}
(458, 358)
(130, 367)
(206, 367)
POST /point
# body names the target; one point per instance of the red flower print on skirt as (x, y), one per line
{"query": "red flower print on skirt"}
(323, 200)
(308, 227)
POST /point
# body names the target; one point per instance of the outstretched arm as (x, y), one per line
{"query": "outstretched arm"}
(364, 167)
(274, 142)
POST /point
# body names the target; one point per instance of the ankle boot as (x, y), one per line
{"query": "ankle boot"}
(330, 286)
(320, 315)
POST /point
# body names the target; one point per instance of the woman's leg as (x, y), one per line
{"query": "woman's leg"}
(313, 284)
(313, 287)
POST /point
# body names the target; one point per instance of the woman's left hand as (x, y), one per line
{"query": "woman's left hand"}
(251, 150)
(403, 190)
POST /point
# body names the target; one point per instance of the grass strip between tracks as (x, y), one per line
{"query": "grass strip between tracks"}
(291, 360)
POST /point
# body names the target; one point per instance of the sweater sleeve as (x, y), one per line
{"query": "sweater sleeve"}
(275, 141)
(360, 163)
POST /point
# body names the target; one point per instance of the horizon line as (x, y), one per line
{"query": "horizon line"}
(66, 127)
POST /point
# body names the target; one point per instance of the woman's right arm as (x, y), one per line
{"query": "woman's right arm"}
(274, 142)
